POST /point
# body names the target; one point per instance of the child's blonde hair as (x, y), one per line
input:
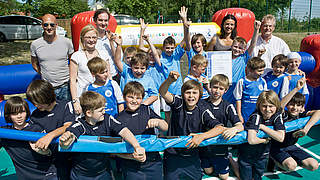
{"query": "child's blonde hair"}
(198, 60)
(256, 63)
(91, 101)
(97, 65)
(221, 80)
(270, 97)
(240, 40)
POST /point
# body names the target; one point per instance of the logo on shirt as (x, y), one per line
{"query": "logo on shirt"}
(108, 93)
(260, 87)
(275, 84)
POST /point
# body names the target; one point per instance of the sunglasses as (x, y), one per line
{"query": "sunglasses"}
(47, 24)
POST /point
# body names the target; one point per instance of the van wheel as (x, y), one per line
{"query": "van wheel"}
(2, 37)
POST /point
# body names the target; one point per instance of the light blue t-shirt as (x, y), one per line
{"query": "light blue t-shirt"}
(293, 79)
(238, 72)
(192, 53)
(172, 63)
(146, 81)
(157, 73)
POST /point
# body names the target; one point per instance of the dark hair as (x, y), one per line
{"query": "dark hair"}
(169, 40)
(13, 105)
(282, 59)
(140, 58)
(202, 39)
(100, 11)
(191, 84)
(234, 31)
(298, 99)
(41, 92)
(133, 87)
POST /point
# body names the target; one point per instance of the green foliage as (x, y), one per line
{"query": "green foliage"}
(8, 7)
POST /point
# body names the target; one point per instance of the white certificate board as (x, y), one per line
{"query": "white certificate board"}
(219, 62)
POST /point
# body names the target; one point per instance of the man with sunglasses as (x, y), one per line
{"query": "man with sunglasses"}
(49, 57)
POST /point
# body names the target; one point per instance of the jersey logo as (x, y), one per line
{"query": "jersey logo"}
(260, 87)
(275, 84)
(108, 93)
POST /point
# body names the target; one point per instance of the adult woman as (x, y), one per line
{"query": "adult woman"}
(80, 76)
(228, 33)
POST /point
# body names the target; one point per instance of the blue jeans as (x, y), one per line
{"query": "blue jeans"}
(63, 92)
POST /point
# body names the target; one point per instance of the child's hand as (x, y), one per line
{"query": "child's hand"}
(229, 133)
(118, 40)
(299, 134)
(204, 80)
(183, 14)
(40, 151)
(143, 26)
(139, 154)
(241, 118)
(153, 123)
(109, 35)
(44, 142)
(267, 140)
(66, 139)
(300, 83)
(261, 52)
(195, 141)
(146, 38)
(301, 73)
(173, 76)
(257, 25)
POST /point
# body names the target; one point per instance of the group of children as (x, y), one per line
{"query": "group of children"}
(150, 80)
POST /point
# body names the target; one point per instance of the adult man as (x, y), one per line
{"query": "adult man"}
(101, 18)
(268, 42)
(49, 57)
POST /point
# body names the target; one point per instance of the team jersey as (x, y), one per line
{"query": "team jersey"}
(157, 73)
(172, 63)
(93, 164)
(279, 84)
(113, 95)
(192, 53)
(293, 79)
(248, 92)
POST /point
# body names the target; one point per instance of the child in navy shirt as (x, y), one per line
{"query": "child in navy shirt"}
(198, 67)
(96, 123)
(253, 155)
(141, 119)
(106, 86)
(248, 89)
(53, 116)
(189, 115)
(287, 155)
(294, 74)
(215, 158)
(276, 79)
(29, 162)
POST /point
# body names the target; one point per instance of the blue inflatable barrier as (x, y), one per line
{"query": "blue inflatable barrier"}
(308, 63)
(2, 120)
(149, 142)
(14, 79)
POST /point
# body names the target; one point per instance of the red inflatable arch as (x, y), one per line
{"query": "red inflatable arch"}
(245, 19)
(82, 19)
(311, 45)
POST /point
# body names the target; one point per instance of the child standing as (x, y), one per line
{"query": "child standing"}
(189, 116)
(198, 67)
(96, 123)
(248, 89)
(27, 163)
(141, 119)
(277, 80)
(105, 86)
(253, 155)
(215, 158)
(287, 154)
(240, 57)
(294, 74)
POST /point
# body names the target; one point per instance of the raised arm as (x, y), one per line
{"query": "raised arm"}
(143, 27)
(285, 100)
(167, 96)
(111, 37)
(155, 54)
(117, 57)
(257, 25)
(186, 35)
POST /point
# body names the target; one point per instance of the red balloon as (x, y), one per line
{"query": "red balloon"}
(82, 19)
(311, 45)
(245, 20)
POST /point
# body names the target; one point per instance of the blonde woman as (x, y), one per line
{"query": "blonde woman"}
(80, 76)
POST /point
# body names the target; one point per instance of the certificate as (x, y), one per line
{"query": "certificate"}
(219, 62)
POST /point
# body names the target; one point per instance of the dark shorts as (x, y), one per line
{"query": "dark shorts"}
(103, 176)
(181, 167)
(281, 154)
(220, 164)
